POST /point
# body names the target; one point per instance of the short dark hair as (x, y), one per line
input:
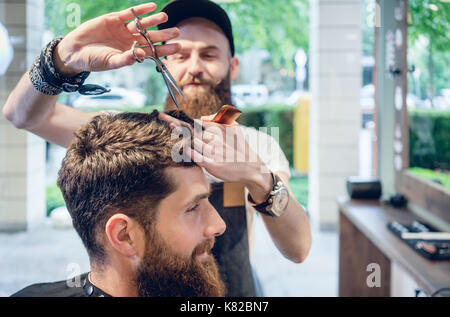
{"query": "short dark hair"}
(117, 163)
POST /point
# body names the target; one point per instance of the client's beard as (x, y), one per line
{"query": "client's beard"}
(165, 274)
(202, 103)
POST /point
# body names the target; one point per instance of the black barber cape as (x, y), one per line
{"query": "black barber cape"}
(63, 289)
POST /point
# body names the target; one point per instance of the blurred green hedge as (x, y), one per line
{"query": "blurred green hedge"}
(429, 132)
(54, 198)
(429, 138)
(273, 115)
(432, 175)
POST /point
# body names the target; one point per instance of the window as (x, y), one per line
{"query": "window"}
(424, 177)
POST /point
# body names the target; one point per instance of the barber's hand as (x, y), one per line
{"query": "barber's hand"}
(231, 161)
(105, 42)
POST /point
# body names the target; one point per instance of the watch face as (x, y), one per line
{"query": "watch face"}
(280, 201)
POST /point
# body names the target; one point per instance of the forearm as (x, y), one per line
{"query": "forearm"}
(26, 107)
(40, 114)
(291, 231)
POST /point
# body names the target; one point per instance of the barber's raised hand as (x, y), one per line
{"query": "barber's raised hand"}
(224, 152)
(105, 42)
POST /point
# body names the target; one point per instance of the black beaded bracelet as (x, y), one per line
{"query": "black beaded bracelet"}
(47, 80)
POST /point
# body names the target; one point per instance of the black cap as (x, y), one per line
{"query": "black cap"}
(179, 10)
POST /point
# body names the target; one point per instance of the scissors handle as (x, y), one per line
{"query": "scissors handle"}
(160, 67)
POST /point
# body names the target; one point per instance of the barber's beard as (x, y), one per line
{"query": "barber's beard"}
(164, 274)
(200, 102)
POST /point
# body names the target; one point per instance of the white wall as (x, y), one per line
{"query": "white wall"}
(402, 284)
(335, 115)
(22, 155)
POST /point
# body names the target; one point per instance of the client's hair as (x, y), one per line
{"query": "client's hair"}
(117, 163)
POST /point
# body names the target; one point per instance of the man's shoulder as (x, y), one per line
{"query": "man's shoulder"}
(54, 289)
(260, 136)
(267, 147)
(251, 131)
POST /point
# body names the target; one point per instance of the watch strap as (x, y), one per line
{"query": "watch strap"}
(262, 208)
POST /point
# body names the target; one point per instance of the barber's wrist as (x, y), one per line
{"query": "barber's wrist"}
(260, 186)
(61, 66)
(49, 80)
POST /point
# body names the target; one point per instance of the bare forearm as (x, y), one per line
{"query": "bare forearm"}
(40, 114)
(291, 232)
(26, 107)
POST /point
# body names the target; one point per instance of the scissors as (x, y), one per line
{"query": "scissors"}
(160, 67)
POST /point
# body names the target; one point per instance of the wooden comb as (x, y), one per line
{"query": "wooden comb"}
(227, 115)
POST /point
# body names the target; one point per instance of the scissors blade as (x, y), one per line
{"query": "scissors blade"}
(169, 77)
(169, 88)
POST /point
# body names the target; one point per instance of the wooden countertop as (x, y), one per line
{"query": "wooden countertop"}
(371, 218)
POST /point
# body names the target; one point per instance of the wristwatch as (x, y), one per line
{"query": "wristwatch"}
(277, 201)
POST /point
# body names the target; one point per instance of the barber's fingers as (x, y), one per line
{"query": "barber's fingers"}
(124, 59)
(206, 122)
(167, 49)
(207, 118)
(144, 44)
(204, 148)
(157, 36)
(214, 136)
(145, 8)
(147, 22)
(127, 58)
(174, 122)
(200, 159)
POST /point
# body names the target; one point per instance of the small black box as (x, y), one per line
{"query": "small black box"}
(363, 188)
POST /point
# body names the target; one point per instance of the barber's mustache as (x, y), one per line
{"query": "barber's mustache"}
(199, 80)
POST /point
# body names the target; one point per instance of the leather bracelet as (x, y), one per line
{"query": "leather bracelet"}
(46, 79)
(262, 206)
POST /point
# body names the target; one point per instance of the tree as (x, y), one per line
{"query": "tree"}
(368, 32)
(431, 19)
(281, 27)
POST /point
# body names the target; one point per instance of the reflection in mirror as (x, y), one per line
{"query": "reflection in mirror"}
(428, 97)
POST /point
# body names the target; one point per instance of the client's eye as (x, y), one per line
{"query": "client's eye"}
(194, 208)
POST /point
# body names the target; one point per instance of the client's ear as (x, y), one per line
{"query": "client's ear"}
(124, 235)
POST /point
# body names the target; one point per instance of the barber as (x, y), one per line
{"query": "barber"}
(199, 47)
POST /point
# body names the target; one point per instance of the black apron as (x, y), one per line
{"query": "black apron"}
(231, 249)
